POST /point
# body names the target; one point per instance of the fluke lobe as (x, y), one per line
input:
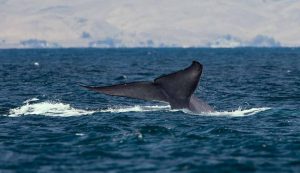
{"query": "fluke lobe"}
(176, 88)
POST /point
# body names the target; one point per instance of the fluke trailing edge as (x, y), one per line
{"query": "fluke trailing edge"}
(176, 88)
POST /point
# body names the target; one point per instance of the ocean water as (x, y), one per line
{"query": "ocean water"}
(48, 123)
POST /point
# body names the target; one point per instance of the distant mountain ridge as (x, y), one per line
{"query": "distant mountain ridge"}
(133, 23)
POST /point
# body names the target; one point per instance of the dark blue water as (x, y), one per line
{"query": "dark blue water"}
(48, 123)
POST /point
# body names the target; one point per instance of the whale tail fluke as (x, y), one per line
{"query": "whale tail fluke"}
(137, 90)
(175, 88)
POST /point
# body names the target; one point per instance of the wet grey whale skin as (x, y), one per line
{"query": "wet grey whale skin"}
(176, 89)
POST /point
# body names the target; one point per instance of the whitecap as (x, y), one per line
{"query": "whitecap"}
(47, 108)
(237, 113)
(137, 108)
(51, 108)
(79, 134)
(31, 100)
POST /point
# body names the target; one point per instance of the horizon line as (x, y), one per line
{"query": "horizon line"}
(239, 47)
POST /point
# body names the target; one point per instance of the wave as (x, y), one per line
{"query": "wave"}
(51, 108)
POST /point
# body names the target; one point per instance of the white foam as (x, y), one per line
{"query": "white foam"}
(137, 108)
(234, 113)
(237, 113)
(47, 108)
(79, 134)
(50, 108)
(31, 100)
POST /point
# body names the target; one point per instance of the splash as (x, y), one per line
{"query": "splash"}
(237, 113)
(137, 108)
(47, 108)
(50, 108)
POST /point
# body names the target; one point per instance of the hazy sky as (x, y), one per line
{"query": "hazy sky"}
(132, 23)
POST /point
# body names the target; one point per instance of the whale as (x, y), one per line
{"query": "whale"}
(177, 89)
